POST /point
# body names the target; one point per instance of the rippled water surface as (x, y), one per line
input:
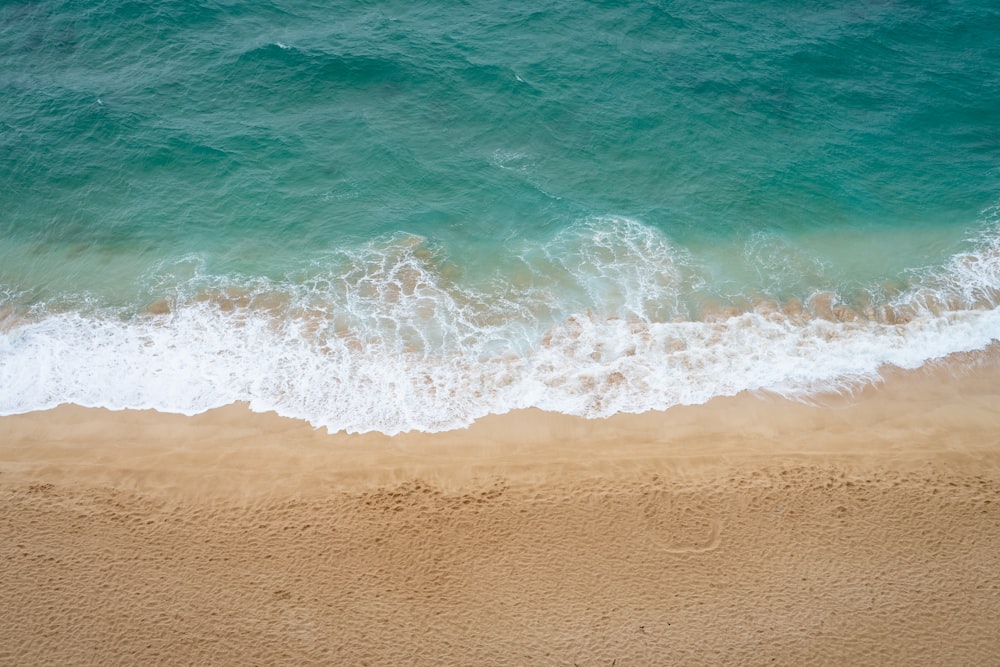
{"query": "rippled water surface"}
(408, 217)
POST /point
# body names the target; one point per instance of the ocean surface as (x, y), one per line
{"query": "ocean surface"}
(394, 216)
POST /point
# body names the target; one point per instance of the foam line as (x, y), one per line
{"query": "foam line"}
(388, 342)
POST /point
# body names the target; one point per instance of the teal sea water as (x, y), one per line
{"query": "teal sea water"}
(394, 216)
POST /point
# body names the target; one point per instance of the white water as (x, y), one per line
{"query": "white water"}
(390, 341)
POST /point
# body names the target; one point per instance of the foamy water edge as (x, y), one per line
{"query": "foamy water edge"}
(391, 344)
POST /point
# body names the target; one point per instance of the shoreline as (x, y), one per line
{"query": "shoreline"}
(946, 410)
(751, 529)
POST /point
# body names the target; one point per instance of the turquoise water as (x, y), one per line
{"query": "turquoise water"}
(408, 216)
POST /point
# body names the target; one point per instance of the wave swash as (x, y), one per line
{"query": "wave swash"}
(610, 317)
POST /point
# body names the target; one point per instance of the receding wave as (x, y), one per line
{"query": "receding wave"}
(608, 317)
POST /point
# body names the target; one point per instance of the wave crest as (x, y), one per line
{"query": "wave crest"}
(393, 336)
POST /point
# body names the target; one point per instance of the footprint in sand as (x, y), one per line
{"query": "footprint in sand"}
(680, 524)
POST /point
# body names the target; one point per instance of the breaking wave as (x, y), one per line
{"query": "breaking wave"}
(609, 317)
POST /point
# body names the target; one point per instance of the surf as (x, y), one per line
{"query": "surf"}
(390, 336)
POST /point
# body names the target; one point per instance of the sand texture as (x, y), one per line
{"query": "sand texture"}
(751, 530)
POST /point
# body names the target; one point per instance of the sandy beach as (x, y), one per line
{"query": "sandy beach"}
(499, 334)
(750, 530)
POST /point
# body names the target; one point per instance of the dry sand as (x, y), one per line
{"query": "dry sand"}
(751, 530)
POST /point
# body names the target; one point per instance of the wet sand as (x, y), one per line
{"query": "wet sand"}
(751, 530)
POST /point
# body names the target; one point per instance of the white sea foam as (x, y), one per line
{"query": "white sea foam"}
(388, 339)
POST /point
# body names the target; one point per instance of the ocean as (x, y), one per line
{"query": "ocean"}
(405, 216)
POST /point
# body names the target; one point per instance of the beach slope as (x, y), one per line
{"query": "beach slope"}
(751, 530)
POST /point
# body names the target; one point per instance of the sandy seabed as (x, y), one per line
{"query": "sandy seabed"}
(751, 530)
